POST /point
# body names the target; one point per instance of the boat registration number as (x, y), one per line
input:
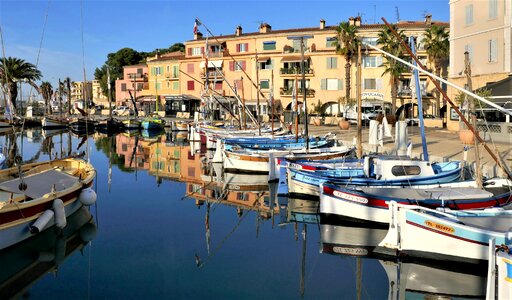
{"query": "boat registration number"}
(350, 197)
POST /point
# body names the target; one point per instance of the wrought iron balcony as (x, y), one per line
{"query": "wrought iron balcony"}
(292, 71)
(288, 92)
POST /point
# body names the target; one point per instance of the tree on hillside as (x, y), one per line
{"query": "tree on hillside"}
(393, 68)
(438, 49)
(116, 61)
(14, 70)
(47, 92)
(346, 45)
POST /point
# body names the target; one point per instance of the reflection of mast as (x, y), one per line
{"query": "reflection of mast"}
(303, 264)
(358, 277)
(207, 224)
(110, 162)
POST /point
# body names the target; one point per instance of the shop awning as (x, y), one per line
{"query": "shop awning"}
(212, 64)
(294, 58)
(263, 58)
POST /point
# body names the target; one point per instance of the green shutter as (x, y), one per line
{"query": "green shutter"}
(340, 84)
(323, 84)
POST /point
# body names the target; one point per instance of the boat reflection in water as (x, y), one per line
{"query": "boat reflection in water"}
(27, 262)
(408, 279)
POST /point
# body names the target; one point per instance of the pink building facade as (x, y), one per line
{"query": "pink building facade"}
(135, 79)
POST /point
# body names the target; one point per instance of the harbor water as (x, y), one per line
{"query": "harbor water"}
(168, 225)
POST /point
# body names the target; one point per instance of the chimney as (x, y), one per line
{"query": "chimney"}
(357, 21)
(198, 35)
(351, 21)
(265, 28)
(238, 31)
(322, 24)
(428, 19)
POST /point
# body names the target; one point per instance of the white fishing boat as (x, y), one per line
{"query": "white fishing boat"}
(45, 194)
(446, 235)
(49, 122)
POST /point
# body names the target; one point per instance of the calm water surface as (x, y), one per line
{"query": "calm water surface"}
(168, 227)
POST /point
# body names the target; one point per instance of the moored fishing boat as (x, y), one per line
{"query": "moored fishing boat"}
(446, 235)
(44, 195)
(82, 124)
(132, 123)
(109, 125)
(49, 122)
(370, 204)
(374, 171)
(153, 123)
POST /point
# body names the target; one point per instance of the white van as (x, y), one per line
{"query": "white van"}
(370, 110)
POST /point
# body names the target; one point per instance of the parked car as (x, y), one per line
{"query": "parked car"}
(122, 111)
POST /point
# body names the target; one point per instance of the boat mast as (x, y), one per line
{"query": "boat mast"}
(244, 119)
(108, 94)
(420, 102)
(467, 71)
(272, 98)
(258, 112)
(359, 104)
(296, 108)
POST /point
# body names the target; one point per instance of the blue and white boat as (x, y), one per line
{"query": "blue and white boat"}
(375, 172)
(447, 235)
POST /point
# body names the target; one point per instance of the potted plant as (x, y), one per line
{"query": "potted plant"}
(316, 113)
(347, 103)
(466, 136)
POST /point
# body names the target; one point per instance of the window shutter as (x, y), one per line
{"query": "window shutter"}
(340, 84)
(231, 65)
(237, 47)
(379, 61)
(334, 63)
(323, 84)
(378, 83)
(246, 47)
(243, 65)
(364, 84)
(189, 51)
(202, 50)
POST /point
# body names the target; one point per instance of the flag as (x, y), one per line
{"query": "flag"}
(386, 129)
(196, 24)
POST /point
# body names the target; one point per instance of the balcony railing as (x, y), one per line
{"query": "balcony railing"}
(213, 74)
(293, 71)
(288, 92)
(137, 76)
(407, 92)
(171, 75)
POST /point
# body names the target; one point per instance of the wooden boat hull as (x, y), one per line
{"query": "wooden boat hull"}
(19, 209)
(53, 123)
(420, 232)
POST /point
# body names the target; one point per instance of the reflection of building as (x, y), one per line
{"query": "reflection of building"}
(135, 151)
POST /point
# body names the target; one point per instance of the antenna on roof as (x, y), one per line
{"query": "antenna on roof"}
(397, 13)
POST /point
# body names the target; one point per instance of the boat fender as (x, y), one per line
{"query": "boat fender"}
(59, 213)
(87, 196)
(42, 221)
(88, 232)
(366, 166)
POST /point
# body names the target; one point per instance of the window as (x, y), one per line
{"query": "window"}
(493, 51)
(123, 87)
(405, 170)
(175, 71)
(372, 61)
(168, 69)
(266, 65)
(372, 84)
(218, 85)
(156, 70)
(332, 62)
(196, 51)
(176, 85)
(243, 47)
(296, 45)
(238, 66)
(331, 84)
(270, 45)
(493, 9)
(140, 86)
(139, 71)
(264, 84)
(330, 42)
(190, 68)
(469, 14)
(370, 40)
(168, 84)
(190, 85)
(469, 48)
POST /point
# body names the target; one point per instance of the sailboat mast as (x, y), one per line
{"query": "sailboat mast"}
(272, 98)
(467, 70)
(359, 104)
(420, 103)
(304, 92)
(244, 119)
(258, 112)
(108, 94)
(296, 108)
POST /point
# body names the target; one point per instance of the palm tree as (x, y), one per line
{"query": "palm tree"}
(14, 69)
(346, 45)
(438, 49)
(47, 92)
(394, 69)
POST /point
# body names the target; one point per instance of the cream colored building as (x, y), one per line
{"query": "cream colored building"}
(97, 94)
(484, 29)
(272, 59)
(81, 91)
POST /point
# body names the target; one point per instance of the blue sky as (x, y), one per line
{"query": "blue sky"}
(145, 25)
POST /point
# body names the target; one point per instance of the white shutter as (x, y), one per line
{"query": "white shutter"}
(363, 85)
(378, 84)
(379, 61)
(323, 84)
(340, 84)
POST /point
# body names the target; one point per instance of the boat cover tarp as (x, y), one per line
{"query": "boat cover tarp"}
(431, 193)
(41, 183)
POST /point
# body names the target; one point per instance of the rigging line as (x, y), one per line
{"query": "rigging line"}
(217, 93)
(232, 58)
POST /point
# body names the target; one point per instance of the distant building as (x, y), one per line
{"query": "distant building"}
(98, 96)
(484, 29)
(134, 81)
(81, 91)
